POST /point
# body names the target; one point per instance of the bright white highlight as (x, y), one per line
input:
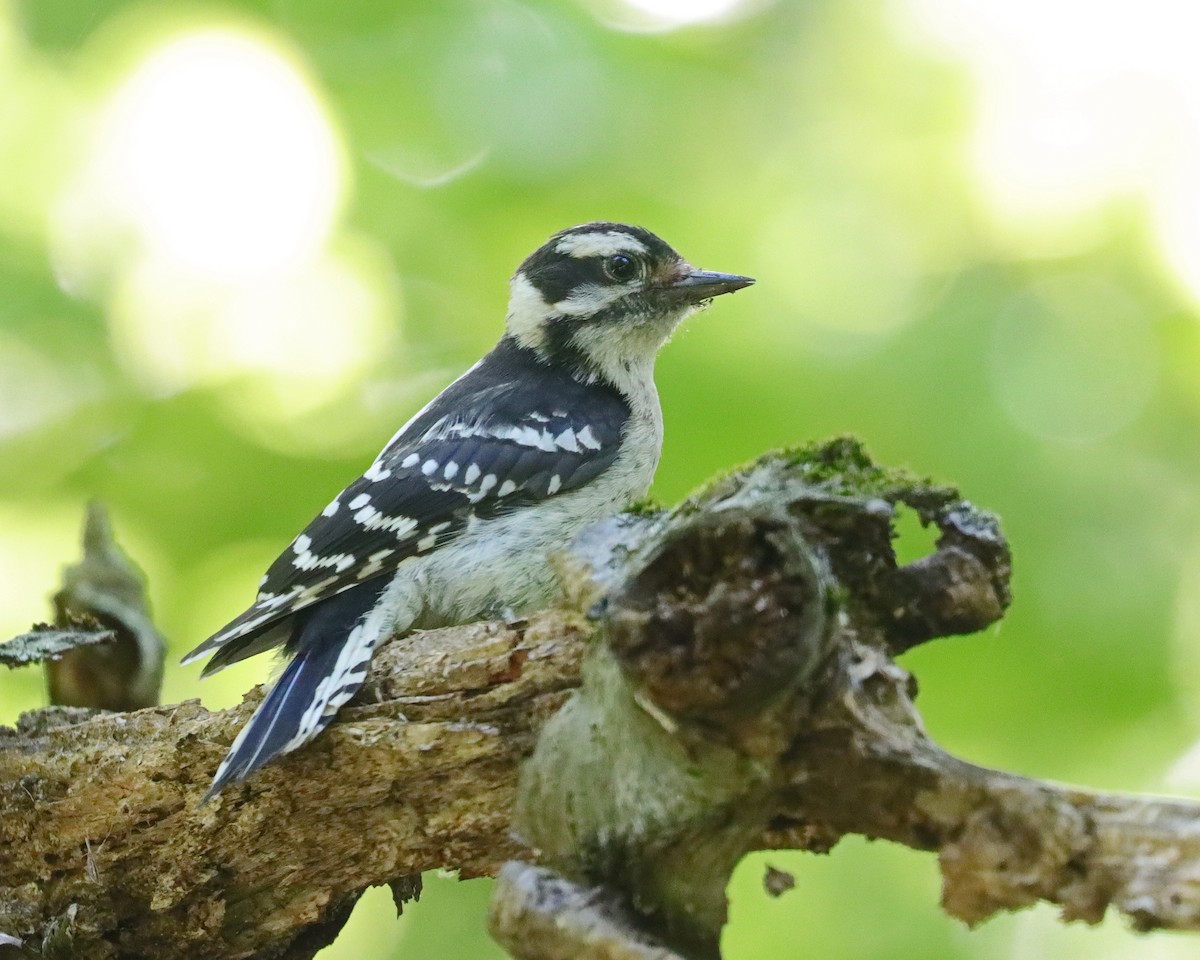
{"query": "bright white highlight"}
(204, 216)
(300, 337)
(678, 13)
(225, 160)
(1077, 107)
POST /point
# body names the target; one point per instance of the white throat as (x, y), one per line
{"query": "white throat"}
(621, 352)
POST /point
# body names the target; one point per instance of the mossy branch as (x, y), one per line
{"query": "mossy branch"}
(738, 693)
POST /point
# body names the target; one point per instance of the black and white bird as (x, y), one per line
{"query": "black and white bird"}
(557, 427)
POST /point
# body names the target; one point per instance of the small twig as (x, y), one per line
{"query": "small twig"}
(45, 642)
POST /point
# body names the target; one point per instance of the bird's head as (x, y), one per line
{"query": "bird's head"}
(604, 294)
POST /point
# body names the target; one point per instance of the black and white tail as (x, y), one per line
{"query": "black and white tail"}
(331, 648)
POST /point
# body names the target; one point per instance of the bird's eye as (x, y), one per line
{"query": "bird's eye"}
(621, 268)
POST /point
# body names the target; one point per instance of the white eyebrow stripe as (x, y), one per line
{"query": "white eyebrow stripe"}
(599, 244)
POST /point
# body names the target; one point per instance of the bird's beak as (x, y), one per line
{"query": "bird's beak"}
(697, 285)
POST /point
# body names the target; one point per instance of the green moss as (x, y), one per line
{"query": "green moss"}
(646, 507)
(841, 466)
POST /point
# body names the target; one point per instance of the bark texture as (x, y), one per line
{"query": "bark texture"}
(742, 647)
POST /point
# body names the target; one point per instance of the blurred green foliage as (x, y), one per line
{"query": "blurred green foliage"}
(1047, 364)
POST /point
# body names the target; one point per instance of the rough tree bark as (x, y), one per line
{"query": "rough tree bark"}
(738, 693)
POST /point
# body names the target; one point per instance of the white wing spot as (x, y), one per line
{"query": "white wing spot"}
(506, 488)
(366, 515)
(310, 561)
(376, 472)
(472, 474)
(464, 430)
(411, 460)
(301, 543)
(331, 508)
(374, 564)
(450, 470)
(314, 591)
(555, 485)
(429, 467)
(487, 483)
(588, 439)
(526, 436)
(401, 526)
(360, 501)
(427, 542)
(566, 441)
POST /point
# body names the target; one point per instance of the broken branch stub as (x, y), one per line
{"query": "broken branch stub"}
(103, 651)
(671, 761)
(107, 586)
(639, 779)
(720, 616)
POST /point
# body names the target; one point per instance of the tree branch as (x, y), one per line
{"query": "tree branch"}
(101, 833)
(749, 632)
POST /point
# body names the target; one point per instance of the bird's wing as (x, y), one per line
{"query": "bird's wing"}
(424, 487)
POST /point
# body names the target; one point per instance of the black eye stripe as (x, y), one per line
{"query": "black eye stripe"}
(557, 274)
(556, 278)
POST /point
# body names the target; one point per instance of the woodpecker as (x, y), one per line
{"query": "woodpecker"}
(455, 520)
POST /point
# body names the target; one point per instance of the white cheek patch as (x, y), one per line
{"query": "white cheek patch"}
(588, 299)
(603, 244)
(527, 313)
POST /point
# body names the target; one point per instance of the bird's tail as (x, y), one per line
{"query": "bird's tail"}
(331, 647)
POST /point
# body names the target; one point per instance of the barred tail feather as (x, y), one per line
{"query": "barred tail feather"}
(332, 648)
